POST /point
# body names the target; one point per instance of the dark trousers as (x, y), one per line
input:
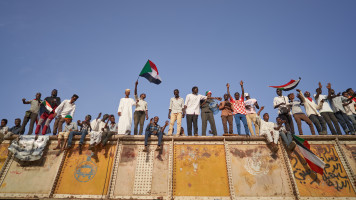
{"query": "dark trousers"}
(192, 119)
(330, 120)
(148, 134)
(139, 117)
(58, 125)
(106, 136)
(319, 123)
(33, 117)
(299, 117)
(345, 122)
(225, 120)
(205, 117)
(289, 122)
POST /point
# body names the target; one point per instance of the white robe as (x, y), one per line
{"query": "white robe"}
(96, 133)
(125, 121)
(266, 128)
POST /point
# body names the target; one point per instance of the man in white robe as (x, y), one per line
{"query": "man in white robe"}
(97, 126)
(267, 130)
(125, 114)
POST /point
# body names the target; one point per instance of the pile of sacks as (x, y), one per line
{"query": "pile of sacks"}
(28, 148)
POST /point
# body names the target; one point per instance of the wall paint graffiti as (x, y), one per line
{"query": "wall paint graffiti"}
(334, 182)
(3, 154)
(256, 172)
(89, 175)
(350, 153)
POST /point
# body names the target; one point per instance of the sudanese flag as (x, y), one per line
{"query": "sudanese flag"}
(289, 86)
(150, 72)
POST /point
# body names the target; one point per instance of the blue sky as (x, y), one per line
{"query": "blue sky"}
(96, 49)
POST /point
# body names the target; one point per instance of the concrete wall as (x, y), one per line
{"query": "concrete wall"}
(186, 168)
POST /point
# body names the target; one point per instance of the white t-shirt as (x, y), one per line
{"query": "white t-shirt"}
(280, 99)
(252, 108)
(326, 106)
(192, 101)
(350, 109)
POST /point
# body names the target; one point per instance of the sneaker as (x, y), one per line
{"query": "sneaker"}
(145, 149)
(158, 148)
(354, 133)
(68, 147)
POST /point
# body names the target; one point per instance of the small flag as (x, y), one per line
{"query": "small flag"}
(47, 106)
(314, 162)
(150, 72)
(289, 86)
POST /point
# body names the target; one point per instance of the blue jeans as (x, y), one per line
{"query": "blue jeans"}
(241, 117)
(71, 134)
(286, 137)
(345, 122)
(148, 134)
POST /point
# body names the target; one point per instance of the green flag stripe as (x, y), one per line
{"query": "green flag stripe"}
(146, 68)
(301, 140)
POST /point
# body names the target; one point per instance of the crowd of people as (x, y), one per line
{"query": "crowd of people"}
(332, 110)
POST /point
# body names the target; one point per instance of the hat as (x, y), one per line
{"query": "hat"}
(247, 95)
(207, 92)
(68, 117)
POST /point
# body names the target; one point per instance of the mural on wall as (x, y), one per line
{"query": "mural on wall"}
(333, 183)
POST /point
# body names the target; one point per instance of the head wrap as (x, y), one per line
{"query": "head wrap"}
(127, 90)
(68, 117)
(247, 95)
(207, 92)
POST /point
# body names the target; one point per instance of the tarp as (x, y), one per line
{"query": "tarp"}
(27, 148)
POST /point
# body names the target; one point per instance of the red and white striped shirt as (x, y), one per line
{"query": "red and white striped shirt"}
(239, 106)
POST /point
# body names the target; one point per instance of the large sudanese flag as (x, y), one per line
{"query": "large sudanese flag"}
(150, 72)
(289, 86)
(314, 162)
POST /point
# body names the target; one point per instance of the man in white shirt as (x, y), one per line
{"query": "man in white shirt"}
(109, 130)
(251, 105)
(349, 106)
(339, 111)
(192, 109)
(326, 112)
(312, 111)
(267, 130)
(67, 107)
(282, 103)
(98, 127)
(140, 111)
(176, 112)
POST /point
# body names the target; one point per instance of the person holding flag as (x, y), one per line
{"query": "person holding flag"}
(50, 104)
(141, 111)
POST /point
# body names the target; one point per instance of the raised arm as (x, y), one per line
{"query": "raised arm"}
(165, 125)
(301, 95)
(318, 92)
(259, 112)
(25, 102)
(228, 89)
(242, 90)
(136, 87)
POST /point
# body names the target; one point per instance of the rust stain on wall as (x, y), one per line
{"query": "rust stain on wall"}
(350, 153)
(200, 170)
(257, 172)
(3, 154)
(334, 182)
(89, 176)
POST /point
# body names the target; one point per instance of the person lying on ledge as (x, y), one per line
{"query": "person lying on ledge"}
(154, 129)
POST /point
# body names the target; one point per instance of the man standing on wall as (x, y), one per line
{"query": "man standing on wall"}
(140, 111)
(251, 105)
